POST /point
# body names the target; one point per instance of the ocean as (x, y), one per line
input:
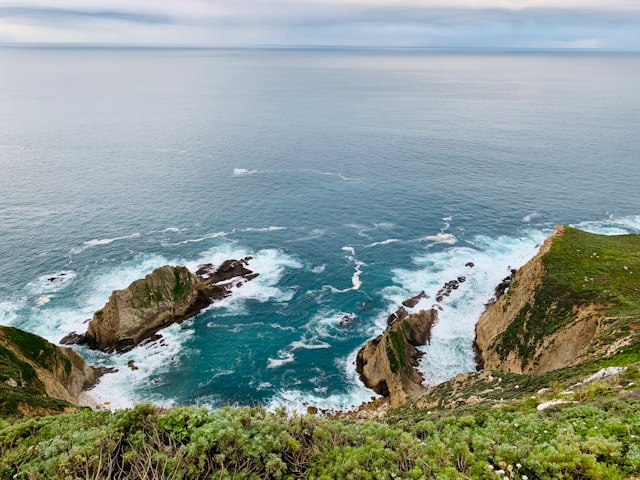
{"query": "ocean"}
(354, 178)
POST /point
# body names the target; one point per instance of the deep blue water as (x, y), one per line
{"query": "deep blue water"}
(355, 178)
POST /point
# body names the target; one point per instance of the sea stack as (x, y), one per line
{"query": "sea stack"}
(387, 364)
(169, 294)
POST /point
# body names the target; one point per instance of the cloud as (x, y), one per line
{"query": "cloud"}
(500, 23)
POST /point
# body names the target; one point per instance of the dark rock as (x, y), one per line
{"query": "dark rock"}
(447, 288)
(413, 301)
(399, 314)
(503, 286)
(469, 264)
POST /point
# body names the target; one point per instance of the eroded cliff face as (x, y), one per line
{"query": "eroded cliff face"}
(560, 309)
(167, 295)
(501, 313)
(29, 361)
(387, 363)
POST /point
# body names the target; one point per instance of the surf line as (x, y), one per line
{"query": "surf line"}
(355, 278)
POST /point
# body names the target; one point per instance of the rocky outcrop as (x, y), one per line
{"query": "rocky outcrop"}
(564, 306)
(34, 365)
(387, 364)
(413, 301)
(167, 295)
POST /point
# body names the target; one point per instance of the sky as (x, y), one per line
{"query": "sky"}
(546, 24)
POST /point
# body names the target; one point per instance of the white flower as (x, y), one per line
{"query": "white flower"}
(524, 477)
(518, 465)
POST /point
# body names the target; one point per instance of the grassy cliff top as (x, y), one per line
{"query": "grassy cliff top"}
(21, 353)
(582, 270)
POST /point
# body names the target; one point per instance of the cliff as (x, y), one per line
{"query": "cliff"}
(167, 295)
(35, 373)
(577, 299)
(387, 363)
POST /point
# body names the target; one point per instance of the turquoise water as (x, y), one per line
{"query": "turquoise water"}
(354, 178)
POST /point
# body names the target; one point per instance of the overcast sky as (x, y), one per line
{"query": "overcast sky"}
(603, 24)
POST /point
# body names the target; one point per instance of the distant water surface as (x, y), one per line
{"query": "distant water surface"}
(354, 178)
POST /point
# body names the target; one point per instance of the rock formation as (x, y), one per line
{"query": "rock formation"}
(387, 363)
(413, 301)
(167, 295)
(566, 305)
(33, 364)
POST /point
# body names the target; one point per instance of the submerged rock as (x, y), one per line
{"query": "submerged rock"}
(167, 295)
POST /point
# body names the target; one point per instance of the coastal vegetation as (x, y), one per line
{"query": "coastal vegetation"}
(594, 434)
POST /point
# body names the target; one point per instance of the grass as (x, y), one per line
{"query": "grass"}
(581, 269)
(594, 438)
(33, 347)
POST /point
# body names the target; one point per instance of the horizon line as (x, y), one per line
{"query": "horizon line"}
(80, 45)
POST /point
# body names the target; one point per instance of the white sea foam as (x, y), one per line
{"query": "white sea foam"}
(309, 344)
(450, 351)
(238, 327)
(122, 389)
(383, 242)
(243, 171)
(332, 174)
(103, 241)
(9, 311)
(286, 355)
(271, 265)
(354, 395)
(277, 326)
(315, 233)
(283, 358)
(612, 226)
(447, 238)
(531, 216)
(319, 268)
(328, 324)
(356, 283)
(264, 229)
(107, 241)
(50, 283)
(362, 230)
(43, 300)
(208, 236)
